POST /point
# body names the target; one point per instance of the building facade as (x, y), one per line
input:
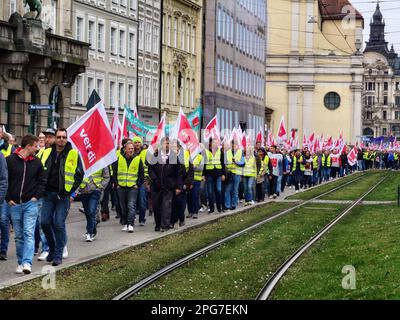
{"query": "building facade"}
(181, 56)
(111, 29)
(39, 64)
(314, 74)
(381, 95)
(149, 61)
(234, 63)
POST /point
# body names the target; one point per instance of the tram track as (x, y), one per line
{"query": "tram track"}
(272, 282)
(179, 263)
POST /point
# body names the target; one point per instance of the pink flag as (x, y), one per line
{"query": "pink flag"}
(282, 130)
(270, 141)
(352, 156)
(158, 135)
(259, 137)
(186, 135)
(91, 135)
(125, 133)
(305, 144)
(212, 130)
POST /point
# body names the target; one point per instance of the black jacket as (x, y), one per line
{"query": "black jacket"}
(78, 177)
(166, 176)
(26, 179)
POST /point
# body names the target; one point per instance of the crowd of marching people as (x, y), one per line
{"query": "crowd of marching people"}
(42, 176)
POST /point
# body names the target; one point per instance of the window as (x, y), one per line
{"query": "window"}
(167, 88)
(133, 5)
(174, 85)
(385, 100)
(79, 29)
(218, 71)
(385, 86)
(371, 86)
(175, 32)
(121, 95)
(156, 40)
(100, 37)
(90, 86)
(13, 6)
(397, 115)
(131, 95)
(384, 131)
(182, 91)
(192, 93)
(92, 35)
(370, 101)
(332, 100)
(162, 87)
(183, 34)
(123, 3)
(397, 101)
(148, 37)
(78, 90)
(100, 88)
(147, 92)
(113, 41)
(140, 35)
(384, 114)
(140, 91)
(189, 31)
(112, 94)
(219, 23)
(53, 15)
(187, 95)
(169, 30)
(194, 41)
(154, 94)
(122, 41)
(132, 46)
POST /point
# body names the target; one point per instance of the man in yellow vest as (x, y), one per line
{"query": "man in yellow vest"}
(326, 163)
(249, 175)
(194, 192)
(129, 175)
(234, 163)
(64, 174)
(298, 168)
(90, 191)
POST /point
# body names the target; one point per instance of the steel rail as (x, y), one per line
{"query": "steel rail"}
(273, 281)
(175, 265)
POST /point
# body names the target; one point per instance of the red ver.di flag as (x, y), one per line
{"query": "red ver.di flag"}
(186, 135)
(91, 136)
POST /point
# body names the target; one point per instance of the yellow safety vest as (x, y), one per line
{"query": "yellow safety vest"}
(7, 152)
(186, 159)
(365, 156)
(302, 166)
(40, 153)
(143, 155)
(250, 168)
(266, 163)
(127, 177)
(328, 162)
(231, 159)
(396, 156)
(97, 179)
(315, 163)
(198, 166)
(71, 164)
(213, 161)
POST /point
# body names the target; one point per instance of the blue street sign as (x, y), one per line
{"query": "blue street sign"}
(41, 107)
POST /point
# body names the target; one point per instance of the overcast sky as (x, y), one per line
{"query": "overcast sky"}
(391, 13)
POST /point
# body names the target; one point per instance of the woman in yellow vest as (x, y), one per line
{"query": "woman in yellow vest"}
(90, 191)
(249, 175)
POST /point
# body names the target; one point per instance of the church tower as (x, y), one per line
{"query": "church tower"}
(377, 41)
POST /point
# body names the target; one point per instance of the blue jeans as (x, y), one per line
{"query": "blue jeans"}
(24, 217)
(4, 227)
(278, 185)
(360, 165)
(326, 173)
(298, 179)
(232, 192)
(141, 204)
(248, 188)
(127, 200)
(43, 240)
(214, 189)
(194, 198)
(54, 214)
(315, 177)
(90, 202)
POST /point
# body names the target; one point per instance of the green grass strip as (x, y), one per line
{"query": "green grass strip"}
(355, 190)
(239, 268)
(367, 239)
(106, 277)
(307, 195)
(387, 191)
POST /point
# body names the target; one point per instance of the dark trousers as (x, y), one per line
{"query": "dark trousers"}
(334, 172)
(162, 207)
(260, 192)
(106, 199)
(178, 207)
(284, 181)
(307, 181)
(272, 185)
(194, 198)
(298, 179)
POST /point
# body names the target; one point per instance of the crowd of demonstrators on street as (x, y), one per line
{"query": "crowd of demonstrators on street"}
(42, 176)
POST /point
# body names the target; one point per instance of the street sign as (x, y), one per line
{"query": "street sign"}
(41, 107)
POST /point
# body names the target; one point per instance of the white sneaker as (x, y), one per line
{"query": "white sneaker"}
(19, 270)
(26, 268)
(201, 209)
(252, 202)
(43, 256)
(297, 191)
(125, 228)
(130, 228)
(88, 237)
(65, 252)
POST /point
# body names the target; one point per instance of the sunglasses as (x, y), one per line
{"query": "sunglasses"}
(61, 137)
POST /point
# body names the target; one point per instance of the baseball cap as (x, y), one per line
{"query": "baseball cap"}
(49, 131)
